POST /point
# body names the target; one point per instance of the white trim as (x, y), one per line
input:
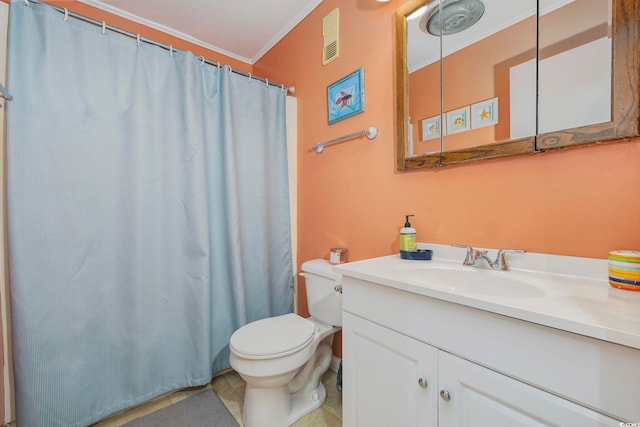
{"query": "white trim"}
(285, 30)
(175, 33)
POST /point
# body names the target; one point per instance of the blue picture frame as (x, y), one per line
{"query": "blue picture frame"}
(345, 98)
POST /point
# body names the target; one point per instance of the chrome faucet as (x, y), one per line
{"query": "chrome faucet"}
(473, 255)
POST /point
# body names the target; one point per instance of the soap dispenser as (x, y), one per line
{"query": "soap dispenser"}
(408, 237)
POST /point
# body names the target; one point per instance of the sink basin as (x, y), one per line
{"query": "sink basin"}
(471, 280)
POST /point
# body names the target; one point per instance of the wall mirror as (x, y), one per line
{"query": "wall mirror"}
(480, 79)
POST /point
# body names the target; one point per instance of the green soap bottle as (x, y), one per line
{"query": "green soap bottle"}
(408, 237)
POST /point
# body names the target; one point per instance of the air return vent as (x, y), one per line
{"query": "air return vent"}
(330, 49)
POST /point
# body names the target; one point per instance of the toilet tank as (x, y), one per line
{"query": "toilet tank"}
(325, 303)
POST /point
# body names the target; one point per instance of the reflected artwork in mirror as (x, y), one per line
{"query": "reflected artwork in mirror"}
(481, 79)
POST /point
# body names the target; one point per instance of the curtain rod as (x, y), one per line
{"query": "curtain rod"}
(140, 39)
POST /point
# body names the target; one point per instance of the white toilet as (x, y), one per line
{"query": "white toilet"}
(282, 358)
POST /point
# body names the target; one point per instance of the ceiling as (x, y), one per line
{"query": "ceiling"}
(242, 29)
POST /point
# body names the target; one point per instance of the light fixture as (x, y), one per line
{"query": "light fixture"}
(453, 16)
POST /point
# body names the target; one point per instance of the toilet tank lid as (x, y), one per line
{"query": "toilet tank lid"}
(320, 267)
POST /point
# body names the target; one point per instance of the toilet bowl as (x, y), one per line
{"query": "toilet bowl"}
(282, 358)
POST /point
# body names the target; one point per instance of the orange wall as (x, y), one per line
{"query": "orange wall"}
(352, 196)
(570, 202)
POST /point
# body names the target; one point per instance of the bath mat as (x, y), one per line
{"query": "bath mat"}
(204, 409)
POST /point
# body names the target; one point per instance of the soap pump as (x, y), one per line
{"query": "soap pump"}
(408, 237)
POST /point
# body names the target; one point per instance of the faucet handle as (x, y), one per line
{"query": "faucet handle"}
(501, 263)
(472, 254)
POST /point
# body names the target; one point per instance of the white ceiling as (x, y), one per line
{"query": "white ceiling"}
(242, 29)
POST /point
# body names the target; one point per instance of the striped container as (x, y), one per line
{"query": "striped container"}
(624, 270)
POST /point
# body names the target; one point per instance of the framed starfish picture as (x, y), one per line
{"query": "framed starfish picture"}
(345, 97)
(484, 113)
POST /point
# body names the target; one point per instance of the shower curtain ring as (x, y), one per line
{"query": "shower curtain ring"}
(266, 81)
(218, 66)
(282, 88)
(104, 28)
(26, 3)
(138, 39)
(250, 77)
(66, 14)
(170, 50)
(201, 60)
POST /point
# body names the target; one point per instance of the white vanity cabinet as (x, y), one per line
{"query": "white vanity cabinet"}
(390, 380)
(417, 360)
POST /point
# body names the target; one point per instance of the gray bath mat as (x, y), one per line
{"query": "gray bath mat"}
(204, 409)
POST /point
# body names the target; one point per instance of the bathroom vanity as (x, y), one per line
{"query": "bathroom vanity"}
(436, 343)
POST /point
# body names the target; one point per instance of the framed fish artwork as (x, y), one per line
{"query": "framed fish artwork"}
(345, 97)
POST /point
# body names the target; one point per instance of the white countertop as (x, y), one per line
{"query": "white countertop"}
(567, 293)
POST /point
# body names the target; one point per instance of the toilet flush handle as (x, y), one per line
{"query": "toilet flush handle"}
(337, 288)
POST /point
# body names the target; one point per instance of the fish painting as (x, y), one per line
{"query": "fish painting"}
(344, 99)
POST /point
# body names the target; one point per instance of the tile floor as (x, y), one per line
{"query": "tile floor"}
(230, 389)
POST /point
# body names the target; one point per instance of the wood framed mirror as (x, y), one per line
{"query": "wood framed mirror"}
(500, 94)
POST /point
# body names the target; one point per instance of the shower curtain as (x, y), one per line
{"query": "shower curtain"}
(148, 216)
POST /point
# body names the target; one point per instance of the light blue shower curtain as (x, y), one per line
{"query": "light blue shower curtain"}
(148, 216)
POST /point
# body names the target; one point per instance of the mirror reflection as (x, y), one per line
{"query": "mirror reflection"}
(490, 72)
(574, 65)
(477, 56)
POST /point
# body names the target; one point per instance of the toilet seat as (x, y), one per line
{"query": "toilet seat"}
(272, 337)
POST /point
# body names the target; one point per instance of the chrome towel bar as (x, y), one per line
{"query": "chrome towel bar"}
(370, 132)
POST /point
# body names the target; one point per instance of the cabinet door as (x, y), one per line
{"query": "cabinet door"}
(388, 379)
(481, 397)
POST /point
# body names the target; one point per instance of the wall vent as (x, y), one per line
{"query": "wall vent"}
(330, 49)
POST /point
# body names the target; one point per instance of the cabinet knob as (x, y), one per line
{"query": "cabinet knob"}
(422, 382)
(444, 394)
